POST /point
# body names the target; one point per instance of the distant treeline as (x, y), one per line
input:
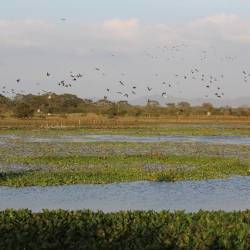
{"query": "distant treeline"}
(29, 105)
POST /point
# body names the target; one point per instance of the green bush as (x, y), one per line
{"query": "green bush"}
(68, 103)
(23, 110)
(60, 229)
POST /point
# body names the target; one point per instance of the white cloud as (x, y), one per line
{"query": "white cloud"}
(23, 33)
(33, 46)
(121, 25)
(120, 33)
(121, 29)
(222, 27)
(218, 20)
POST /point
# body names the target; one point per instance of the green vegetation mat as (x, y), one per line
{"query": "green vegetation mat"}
(137, 230)
(57, 170)
(142, 130)
(56, 163)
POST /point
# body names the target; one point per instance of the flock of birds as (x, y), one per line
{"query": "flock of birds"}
(210, 82)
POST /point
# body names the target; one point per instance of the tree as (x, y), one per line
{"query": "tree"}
(112, 111)
(23, 110)
(207, 107)
(4, 100)
(153, 103)
(5, 103)
(184, 108)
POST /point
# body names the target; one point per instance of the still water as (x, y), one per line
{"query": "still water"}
(228, 195)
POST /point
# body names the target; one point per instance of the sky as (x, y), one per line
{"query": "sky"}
(142, 43)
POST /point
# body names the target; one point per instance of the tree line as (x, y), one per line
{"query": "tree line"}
(25, 106)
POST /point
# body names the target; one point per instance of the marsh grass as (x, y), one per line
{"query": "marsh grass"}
(83, 161)
(108, 162)
(77, 120)
(19, 148)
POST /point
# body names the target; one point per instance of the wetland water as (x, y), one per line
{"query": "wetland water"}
(228, 195)
(241, 140)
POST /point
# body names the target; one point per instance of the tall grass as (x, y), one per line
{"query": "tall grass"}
(99, 121)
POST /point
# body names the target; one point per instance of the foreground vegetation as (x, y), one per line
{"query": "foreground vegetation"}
(57, 170)
(124, 230)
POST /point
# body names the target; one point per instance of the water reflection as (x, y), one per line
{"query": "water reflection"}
(228, 195)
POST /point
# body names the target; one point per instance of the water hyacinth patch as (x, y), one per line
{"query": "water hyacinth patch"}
(60, 229)
(59, 170)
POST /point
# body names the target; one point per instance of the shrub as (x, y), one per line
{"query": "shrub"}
(124, 230)
(23, 110)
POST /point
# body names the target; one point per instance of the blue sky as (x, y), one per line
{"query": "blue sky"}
(34, 40)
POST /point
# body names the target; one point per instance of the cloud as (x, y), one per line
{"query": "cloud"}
(23, 33)
(120, 25)
(123, 29)
(216, 20)
(123, 34)
(222, 27)
(35, 45)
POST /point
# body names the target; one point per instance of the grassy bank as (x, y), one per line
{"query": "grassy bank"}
(57, 170)
(93, 121)
(124, 230)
